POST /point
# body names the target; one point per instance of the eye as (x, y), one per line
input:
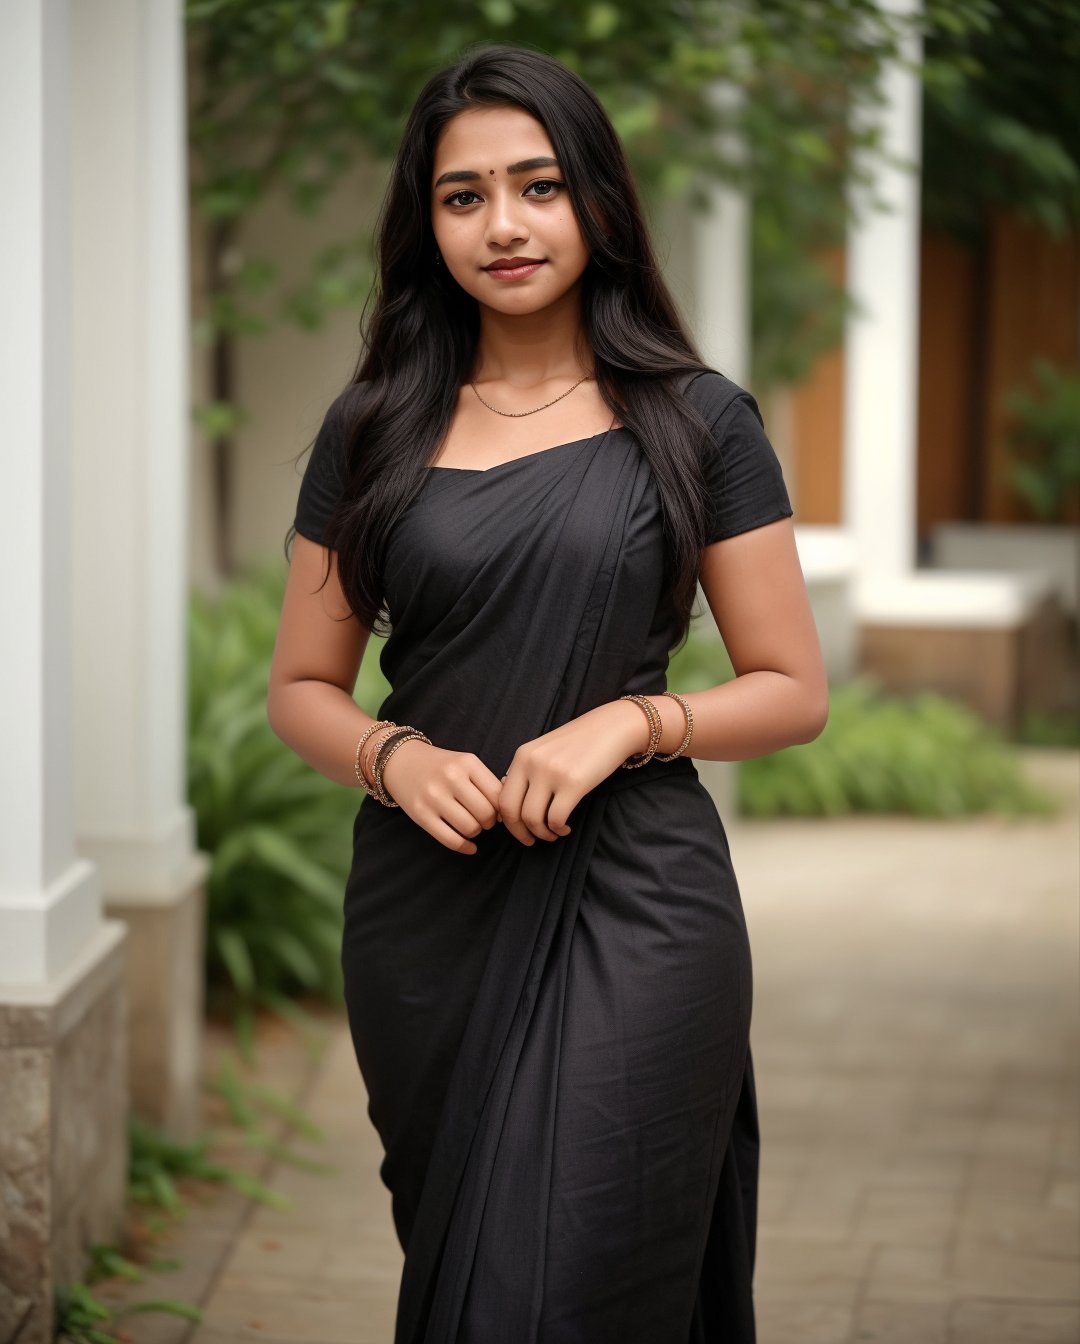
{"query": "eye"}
(542, 182)
(547, 182)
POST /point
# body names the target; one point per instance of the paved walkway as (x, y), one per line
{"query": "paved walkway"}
(915, 1037)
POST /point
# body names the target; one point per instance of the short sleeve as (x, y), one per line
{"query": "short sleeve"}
(320, 487)
(742, 471)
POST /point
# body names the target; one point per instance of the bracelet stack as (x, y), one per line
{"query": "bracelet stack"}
(398, 734)
(655, 729)
(371, 779)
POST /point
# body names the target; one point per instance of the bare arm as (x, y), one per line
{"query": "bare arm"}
(317, 657)
(755, 588)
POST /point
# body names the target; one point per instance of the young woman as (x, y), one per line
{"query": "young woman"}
(547, 969)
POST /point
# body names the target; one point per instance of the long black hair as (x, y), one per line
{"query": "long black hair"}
(421, 341)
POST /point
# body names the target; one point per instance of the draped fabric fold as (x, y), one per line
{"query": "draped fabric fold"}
(555, 1038)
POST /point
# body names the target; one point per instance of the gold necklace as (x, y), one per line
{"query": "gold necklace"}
(539, 408)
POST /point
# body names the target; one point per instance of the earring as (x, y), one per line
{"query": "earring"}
(438, 257)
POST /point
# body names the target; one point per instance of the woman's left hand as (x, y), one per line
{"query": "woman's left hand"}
(549, 775)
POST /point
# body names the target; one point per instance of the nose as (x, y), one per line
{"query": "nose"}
(504, 223)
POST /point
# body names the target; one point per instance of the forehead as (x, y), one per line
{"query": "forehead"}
(489, 137)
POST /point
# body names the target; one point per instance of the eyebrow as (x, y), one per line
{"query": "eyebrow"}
(525, 166)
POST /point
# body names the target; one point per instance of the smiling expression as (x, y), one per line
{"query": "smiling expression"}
(498, 194)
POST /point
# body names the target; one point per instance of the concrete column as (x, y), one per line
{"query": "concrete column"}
(63, 1044)
(881, 342)
(721, 271)
(130, 530)
(963, 633)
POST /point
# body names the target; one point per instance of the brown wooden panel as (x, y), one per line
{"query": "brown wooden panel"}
(947, 355)
(817, 430)
(1034, 310)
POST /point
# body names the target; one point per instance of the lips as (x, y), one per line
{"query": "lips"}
(511, 263)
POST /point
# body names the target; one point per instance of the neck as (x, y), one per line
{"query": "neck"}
(534, 348)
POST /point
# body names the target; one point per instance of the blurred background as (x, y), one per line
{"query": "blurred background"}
(870, 213)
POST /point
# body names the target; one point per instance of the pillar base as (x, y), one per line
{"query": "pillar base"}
(63, 1129)
(167, 997)
(1001, 671)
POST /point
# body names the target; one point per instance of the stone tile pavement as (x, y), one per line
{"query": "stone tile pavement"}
(915, 1037)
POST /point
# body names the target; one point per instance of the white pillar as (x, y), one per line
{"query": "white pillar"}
(63, 1009)
(50, 905)
(721, 270)
(899, 607)
(131, 529)
(881, 342)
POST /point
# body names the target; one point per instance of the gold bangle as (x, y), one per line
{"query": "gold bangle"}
(374, 727)
(398, 730)
(399, 740)
(689, 727)
(396, 740)
(372, 749)
(655, 729)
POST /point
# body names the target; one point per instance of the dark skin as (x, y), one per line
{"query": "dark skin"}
(531, 350)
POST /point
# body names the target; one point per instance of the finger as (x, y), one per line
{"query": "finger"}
(446, 835)
(559, 809)
(510, 811)
(488, 784)
(475, 801)
(534, 810)
(455, 814)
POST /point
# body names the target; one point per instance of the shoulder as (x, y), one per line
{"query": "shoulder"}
(732, 417)
(325, 472)
(743, 475)
(342, 408)
(715, 396)
(327, 453)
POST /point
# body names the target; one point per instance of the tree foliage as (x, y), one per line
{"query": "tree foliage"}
(1002, 113)
(288, 93)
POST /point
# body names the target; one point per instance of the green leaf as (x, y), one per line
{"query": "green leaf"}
(499, 13)
(336, 20)
(283, 1153)
(219, 419)
(284, 1109)
(234, 953)
(292, 953)
(601, 21)
(233, 1092)
(173, 1306)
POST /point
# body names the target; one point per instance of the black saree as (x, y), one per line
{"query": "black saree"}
(555, 1039)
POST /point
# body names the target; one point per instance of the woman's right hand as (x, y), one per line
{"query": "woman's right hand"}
(451, 794)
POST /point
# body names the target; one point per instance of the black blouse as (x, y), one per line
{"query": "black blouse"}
(742, 471)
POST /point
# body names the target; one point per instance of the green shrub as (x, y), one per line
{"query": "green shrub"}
(701, 662)
(157, 1160)
(1043, 729)
(922, 754)
(1044, 441)
(278, 833)
(80, 1318)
